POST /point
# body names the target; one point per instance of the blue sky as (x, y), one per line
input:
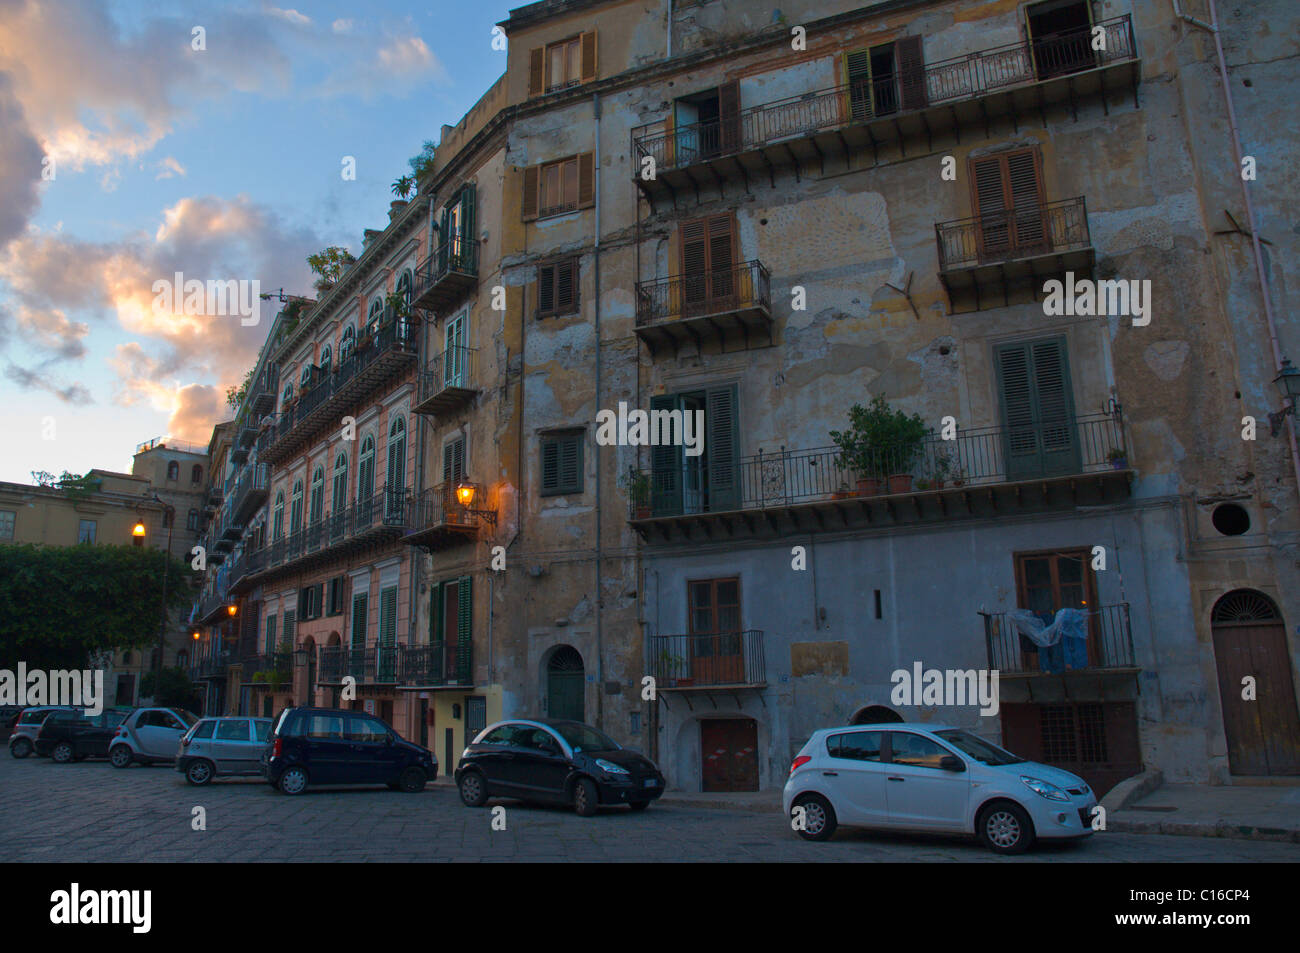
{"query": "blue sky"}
(222, 163)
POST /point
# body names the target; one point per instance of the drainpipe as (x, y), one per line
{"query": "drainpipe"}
(670, 30)
(600, 598)
(1213, 28)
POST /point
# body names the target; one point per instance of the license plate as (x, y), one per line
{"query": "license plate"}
(650, 782)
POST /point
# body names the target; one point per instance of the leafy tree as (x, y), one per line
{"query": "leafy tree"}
(235, 397)
(176, 691)
(61, 603)
(422, 164)
(330, 264)
(404, 186)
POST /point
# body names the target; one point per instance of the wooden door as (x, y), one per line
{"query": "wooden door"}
(1037, 405)
(1049, 581)
(716, 655)
(564, 684)
(708, 259)
(729, 754)
(1008, 198)
(1250, 641)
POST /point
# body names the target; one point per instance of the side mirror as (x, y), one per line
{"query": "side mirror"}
(950, 762)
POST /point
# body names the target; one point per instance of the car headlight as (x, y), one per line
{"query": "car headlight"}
(1044, 789)
(610, 767)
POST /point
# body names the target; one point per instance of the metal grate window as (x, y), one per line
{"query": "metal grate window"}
(1092, 733)
(1057, 726)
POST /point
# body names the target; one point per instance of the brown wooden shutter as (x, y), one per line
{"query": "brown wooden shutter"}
(1008, 197)
(694, 251)
(722, 256)
(545, 290)
(588, 56)
(536, 71)
(912, 67)
(566, 286)
(530, 192)
(1025, 186)
(586, 180)
(857, 77)
(989, 200)
(729, 116)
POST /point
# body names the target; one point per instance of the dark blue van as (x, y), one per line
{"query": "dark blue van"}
(327, 746)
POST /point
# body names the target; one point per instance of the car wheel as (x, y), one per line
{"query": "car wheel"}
(412, 780)
(20, 748)
(120, 756)
(199, 772)
(473, 789)
(585, 797)
(293, 781)
(639, 805)
(1005, 828)
(819, 821)
(62, 753)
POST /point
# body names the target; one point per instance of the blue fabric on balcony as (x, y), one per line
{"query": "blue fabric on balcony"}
(1062, 643)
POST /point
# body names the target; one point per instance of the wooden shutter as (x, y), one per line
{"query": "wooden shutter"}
(729, 116)
(571, 463)
(546, 289)
(536, 71)
(531, 178)
(990, 204)
(695, 263)
(388, 616)
(1037, 409)
(566, 286)
(453, 461)
(586, 180)
(665, 467)
(468, 195)
(857, 77)
(358, 620)
(708, 260)
(722, 438)
(290, 623)
(1008, 198)
(588, 56)
(270, 633)
(911, 66)
(1025, 187)
(722, 258)
(550, 466)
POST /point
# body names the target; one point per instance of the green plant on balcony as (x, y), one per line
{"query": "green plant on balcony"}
(638, 490)
(880, 442)
(422, 164)
(675, 668)
(1118, 458)
(403, 186)
(330, 264)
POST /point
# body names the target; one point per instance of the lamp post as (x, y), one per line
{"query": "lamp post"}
(167, 557)
(1288, 385)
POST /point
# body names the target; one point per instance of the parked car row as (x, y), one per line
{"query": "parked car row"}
(888, 776)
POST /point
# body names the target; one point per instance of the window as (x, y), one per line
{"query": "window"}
(453, 463)
(1007, 195)
(167, 518)
(708, 260)
(339, 495)
(325, 727)
(86, 531)
(309, 601)
(192, 520)
(452, 625)
(1046, 582)
(455, 355)
(232, 729)
(883, 78)
(337, 595)
(173, 470)
(270, 633)
(1037, 409)
(366, 471)
(7, 524)
(562, 463)
(305, 377)
(290, 627)
(346, 344)
(558, 187)
(375, 314)
(366, 730)
(1061, 36)
(559, 65)
(326, 356)
(855, 745)
(205, 729)
(395, 476)
(287, 395)
(262, 729)
(709, 482)
(196, 474)
(916, 750)
(557, 288)
(403, 290)
(317, 495)
(295, 508)
(706, 124)
(277, 517)
(359, 610)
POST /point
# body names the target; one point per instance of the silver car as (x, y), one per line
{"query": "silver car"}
(148, 735)
(223, 747)
(23, 737)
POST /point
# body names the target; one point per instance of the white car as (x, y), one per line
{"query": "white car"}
(149, 735)
(945, 780)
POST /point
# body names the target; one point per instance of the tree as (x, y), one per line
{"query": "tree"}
(61, 603)
(330, 265)
(404, 186)
(422, 164)
(175, 691)
(235, 398)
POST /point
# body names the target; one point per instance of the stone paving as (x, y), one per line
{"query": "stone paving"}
(90, 811)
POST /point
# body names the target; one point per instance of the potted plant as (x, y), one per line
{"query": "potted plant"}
(937, 469)
(842, 493)
(1118, 458)
(638, 488)
(880, 442)
(671, 665)
(923, 483)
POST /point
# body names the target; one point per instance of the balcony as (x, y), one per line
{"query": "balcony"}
(439, 521)
(262, 394)
(969, 92)
(273, 670)
(243, 568)
(1108, 648)
(376, 665)
(982, 473)
(436, 665)
(211, 609)
(212, 666)
(381, 519)
(443, 278)
(447, 383)
(250, 492)
(731, 660)
(216, 493)
(724, 306)
(1012, 250)
(373, 363)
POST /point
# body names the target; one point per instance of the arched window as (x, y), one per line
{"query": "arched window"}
(196, 474)
(295, 508)
(348, 341)
(339, 498)
(305, 376)
(376, 312)
(326, 355)
(366, 471)
(192, 522)
(277, 519)
(395, 476)
(287, 395)
(317, 495)
(404, 289)
(173, 470)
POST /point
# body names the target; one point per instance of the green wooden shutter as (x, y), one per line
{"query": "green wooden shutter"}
(358, 620)
(1037, 409)
(571, 463)
(665, 468)
(445, 238)
(388, 616)
(464, 629)
(464, 261)
(290, 623)
(722, 440)
(550, 466)
(270, 633)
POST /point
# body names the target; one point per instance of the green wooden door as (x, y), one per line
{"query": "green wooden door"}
(1039, 434)
(565, 678)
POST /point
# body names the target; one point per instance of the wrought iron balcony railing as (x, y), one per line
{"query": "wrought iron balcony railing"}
(1015, 233)
(372, 665)
(714, 659)
(945, 83)
(1109, 644)
(447, 381)
(386, 513)
(437, 664)
(980, 456)
(250, 491)
(438, 518)
(446, 273)
(739, 288)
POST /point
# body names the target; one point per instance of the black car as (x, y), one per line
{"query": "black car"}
(563, 762)
(328, 746)
(74, 734)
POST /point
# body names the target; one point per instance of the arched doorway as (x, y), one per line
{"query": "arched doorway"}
(1263, 731)
(564, 684)
(875, 715)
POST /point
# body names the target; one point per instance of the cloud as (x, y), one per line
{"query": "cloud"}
(35, 380)
(51, 331)
(198, 407)
(20, 165)
(168, 168)
(289, 16)
(341, 25)
(385, 66)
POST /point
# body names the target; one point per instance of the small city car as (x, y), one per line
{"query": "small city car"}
(563, 762)
(23, 736)
(74, 735)
(329, 746)
(944, 780)
(223, 747)
(148, 735)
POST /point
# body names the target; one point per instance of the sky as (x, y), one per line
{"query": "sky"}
(142, 139)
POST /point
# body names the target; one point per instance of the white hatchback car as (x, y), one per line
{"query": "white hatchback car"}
(932, 778)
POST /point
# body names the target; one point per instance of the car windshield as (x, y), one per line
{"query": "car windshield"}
(979, 749)
(188, 718)
(582, 738)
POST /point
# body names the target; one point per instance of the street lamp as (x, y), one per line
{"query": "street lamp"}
(465, 494)
(138, 533)
(1288, 385)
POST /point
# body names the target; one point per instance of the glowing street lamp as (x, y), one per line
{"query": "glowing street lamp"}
(466, 492)
(137, 533)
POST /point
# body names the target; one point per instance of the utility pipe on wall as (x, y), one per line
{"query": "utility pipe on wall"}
(600, 598)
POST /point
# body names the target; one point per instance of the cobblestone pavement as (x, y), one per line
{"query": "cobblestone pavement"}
(93, 812)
